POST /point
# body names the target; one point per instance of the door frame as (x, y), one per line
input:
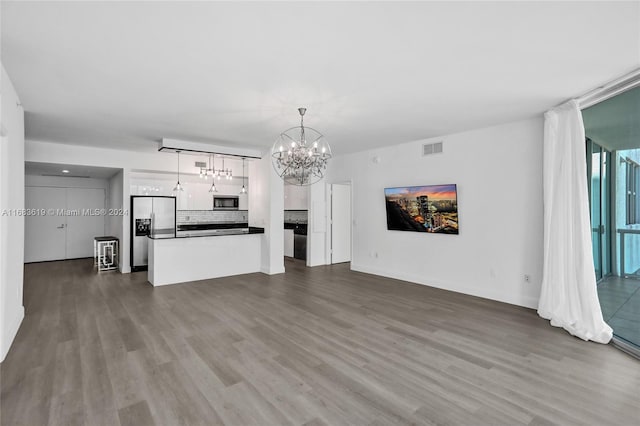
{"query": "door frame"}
(329, 239)
(611, 179)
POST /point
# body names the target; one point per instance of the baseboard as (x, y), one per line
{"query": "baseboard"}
(272, 271)
(525, 302)
(57, 260)
(8, 338)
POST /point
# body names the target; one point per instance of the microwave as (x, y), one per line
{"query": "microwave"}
(226, 202)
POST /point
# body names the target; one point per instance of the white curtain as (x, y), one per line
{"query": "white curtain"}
(569, 296)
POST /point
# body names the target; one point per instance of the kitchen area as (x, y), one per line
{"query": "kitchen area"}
(296, 221)
(197, 231)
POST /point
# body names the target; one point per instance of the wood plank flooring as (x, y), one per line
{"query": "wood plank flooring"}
(315, 346)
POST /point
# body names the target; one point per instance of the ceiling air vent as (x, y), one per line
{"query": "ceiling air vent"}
(431, 148)
(201, 164)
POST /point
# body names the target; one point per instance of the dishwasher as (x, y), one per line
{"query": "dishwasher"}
(299, 245)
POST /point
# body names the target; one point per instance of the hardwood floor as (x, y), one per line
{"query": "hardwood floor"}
(315, 346)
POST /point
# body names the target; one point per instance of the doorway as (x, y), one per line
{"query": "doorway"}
(70, 219)
(340, 248)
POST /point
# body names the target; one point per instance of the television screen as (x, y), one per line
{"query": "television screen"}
(431, 208)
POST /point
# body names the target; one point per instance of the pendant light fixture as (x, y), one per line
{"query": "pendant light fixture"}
(244, 177)
(300, 155)
(178, 187)
(227, 173)
(213, 179)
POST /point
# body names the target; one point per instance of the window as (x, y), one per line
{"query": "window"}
(633, 186)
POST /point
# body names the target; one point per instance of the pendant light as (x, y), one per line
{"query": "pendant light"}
(244, 177)
(213, 179)
(178, 187)
(300, 154)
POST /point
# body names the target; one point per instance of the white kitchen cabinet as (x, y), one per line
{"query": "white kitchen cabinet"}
(243, 202)
(288, 242)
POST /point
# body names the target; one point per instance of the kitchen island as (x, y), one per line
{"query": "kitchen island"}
(191, 255)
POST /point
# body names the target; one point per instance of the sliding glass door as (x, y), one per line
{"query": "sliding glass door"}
(598, 162)
(613, 166)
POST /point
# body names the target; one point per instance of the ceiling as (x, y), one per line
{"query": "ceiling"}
(127, 74)
(615, 123)
(74, 170)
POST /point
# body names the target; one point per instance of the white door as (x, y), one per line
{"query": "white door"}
(45, 234)
(86, 221)
(340, 223)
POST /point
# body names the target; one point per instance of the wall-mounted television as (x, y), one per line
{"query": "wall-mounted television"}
(429, 208)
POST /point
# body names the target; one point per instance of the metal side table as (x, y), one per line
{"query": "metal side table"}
(105, 253)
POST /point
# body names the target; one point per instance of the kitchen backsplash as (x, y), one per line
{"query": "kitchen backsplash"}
(184, 217)
(295, 216)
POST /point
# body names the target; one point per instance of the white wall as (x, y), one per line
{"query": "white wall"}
(498, 172)
(296, 197)
(65, 182)
(11, 227)
(116, 223)
(266, 210)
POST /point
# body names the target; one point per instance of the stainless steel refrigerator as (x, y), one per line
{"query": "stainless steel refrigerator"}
(149, 216)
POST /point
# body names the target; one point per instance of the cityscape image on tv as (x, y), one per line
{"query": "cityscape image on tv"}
(432, 208)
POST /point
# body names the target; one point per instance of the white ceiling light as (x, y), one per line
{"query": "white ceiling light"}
(65, 171)
(300, 154)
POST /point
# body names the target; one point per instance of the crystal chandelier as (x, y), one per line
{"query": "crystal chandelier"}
(215, 173)
(300, 154)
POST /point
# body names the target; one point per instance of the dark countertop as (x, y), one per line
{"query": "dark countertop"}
(213, 225)
(207, 233)
(298, 228)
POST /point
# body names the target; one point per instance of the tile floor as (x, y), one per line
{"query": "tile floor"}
(620, 302)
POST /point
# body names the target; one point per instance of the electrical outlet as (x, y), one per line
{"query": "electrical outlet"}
(527, 278)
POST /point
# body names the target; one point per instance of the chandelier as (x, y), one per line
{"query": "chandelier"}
(213, 172)
(300, 155)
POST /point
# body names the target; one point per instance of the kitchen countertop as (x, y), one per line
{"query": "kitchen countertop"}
(211, 225)
(222, 253)
(298, 227)
(168, 234)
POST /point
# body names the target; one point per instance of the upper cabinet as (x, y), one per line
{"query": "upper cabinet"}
(243, 202)
(296, 197)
